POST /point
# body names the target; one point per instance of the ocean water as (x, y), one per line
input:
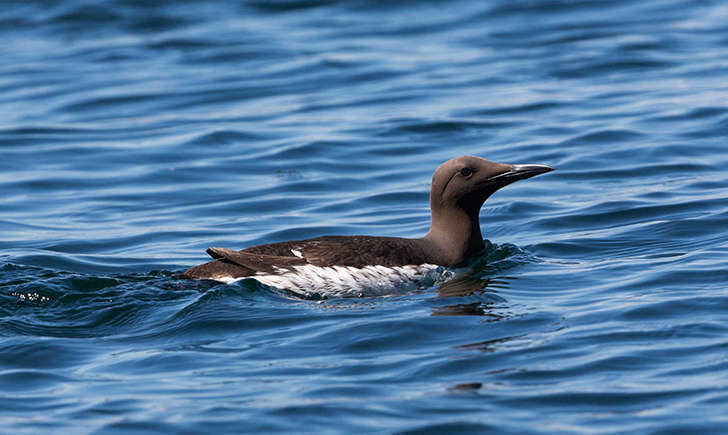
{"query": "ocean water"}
(135, 134)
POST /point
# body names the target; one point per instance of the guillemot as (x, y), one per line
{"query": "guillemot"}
(355, 265)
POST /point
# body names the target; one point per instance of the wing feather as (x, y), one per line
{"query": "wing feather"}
(256, 262)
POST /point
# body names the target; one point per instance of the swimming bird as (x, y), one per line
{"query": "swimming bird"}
(356, 265)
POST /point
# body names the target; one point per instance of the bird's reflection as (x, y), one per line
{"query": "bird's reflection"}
(464, 285)
(469, 285)
(474, 309)
(489, 345)
(479, 297)
(469, 387)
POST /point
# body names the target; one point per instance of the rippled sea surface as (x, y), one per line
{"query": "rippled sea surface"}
(135, 134)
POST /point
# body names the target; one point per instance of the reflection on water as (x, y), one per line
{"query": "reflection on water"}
(494, 344)
(462, 286)
(472, 309)
(469, 283)
(465, 388)
(473, 282)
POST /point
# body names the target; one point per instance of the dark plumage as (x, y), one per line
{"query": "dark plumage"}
(459, 188)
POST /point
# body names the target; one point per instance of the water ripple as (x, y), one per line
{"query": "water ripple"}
(136, 134)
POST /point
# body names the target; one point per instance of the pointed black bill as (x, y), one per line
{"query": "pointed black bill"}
(520, 172)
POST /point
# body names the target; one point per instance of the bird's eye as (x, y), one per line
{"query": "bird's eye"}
(466, 172)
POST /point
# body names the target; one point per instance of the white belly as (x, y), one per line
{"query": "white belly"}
(347, 281)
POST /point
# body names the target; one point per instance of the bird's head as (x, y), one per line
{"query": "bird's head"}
(465, 182)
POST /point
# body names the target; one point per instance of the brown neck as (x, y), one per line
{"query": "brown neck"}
(455, 234)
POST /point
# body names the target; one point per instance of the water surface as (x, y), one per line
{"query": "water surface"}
(136, 134)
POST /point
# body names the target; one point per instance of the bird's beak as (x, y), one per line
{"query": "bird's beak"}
(519, 172)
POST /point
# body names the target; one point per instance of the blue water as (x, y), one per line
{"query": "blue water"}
(135, 134)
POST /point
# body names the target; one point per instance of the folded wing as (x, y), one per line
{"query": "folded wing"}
(258, 263)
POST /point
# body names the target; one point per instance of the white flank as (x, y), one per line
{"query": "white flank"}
(347, 281)
(227, 279)
(296, 253)
(343, 281)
